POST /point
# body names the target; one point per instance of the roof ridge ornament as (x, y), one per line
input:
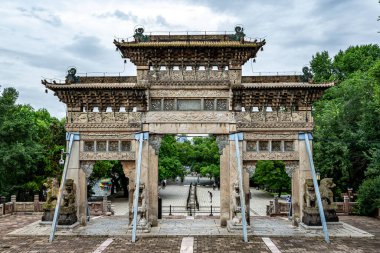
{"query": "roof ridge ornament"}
(139, 35)
(307, 75)
(239, 33)
(71, 77)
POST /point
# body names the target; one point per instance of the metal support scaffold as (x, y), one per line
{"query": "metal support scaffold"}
(239, 137)
(71, 138)
(316, 187)
(140, 137)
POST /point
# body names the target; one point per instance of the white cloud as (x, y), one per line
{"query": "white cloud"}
(43, 38)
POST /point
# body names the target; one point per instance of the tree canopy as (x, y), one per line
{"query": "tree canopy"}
(201, 155)
(30, 145)
(112, 170)
(347, 133)
(272, 175)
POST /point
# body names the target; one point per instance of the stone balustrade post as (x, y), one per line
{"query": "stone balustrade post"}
(36, 201)
(276, 206)
(271, 207)
(2, 201)
(346, 204)
(13, 200)
(105, 202)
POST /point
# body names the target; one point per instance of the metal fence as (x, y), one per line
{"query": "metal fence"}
(182, 210)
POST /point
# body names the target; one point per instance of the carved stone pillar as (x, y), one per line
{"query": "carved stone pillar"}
(224, 151)
(87, 168)
(153, 150)
(129, 168)
(235, 222)
(298, 182)
(292, 169)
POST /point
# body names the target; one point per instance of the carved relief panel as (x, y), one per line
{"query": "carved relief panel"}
(270, 156)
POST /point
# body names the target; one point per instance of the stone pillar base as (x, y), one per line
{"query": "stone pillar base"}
(143, 227)
(232, 226)
(311, 216)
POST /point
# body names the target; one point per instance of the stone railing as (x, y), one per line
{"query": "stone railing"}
(107, 79)
(100, 207)
(6, 208)
(345, 208)
(96, 207)
(272, 79)
(277, 208)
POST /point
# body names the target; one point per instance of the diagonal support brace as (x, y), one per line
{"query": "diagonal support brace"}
(71, 137)
(239, 137)
(140, 137)
(306, 137)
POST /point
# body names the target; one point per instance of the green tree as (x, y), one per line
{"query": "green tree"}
(205, 154)
(109, 169)
(201, 155)
(169, 165)
(272, 175)
(30, 143)
(322, 67)
(347, 133)
(355, 58)
(19, 149)
(369, 196)
(211, 170)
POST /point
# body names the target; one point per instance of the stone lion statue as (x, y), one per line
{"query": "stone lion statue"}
(309, 195)
(69, 194)
(52, 189)
(325, 187)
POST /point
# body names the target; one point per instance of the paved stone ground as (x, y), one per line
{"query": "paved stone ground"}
(12, 222)
(176, 195)
(120, 206)
(260, 199)
(221, 243)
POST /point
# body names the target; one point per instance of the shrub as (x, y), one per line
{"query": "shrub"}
(369, 196)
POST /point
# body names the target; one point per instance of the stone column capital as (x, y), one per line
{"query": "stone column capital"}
(87, 167)
(290, 169)
(222, 142)
(155, 142)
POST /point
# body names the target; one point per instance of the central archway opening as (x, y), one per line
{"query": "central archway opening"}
(109, 186)
(270, 189)
(189, 176)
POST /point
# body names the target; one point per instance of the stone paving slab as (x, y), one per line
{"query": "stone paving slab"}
(261, 226)
(202, 243)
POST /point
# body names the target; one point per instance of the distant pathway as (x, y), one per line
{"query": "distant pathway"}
(176, 195)
(260, 199)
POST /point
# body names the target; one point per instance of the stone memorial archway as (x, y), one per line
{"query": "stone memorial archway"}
(188, 84)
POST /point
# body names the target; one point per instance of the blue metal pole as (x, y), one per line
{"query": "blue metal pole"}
(61, 189)
(140, 138)
(241, 190)
(316, 187)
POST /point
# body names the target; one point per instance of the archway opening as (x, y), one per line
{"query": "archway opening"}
(270, 189)
(189, 176)
(108, 185)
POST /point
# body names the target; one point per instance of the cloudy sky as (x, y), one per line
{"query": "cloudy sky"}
(41, 39)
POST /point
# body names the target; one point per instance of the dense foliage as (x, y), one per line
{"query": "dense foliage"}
(272, 175)
(112, 170)
(201, 155)
(369, 196)
(347, 129)
(30, 145)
